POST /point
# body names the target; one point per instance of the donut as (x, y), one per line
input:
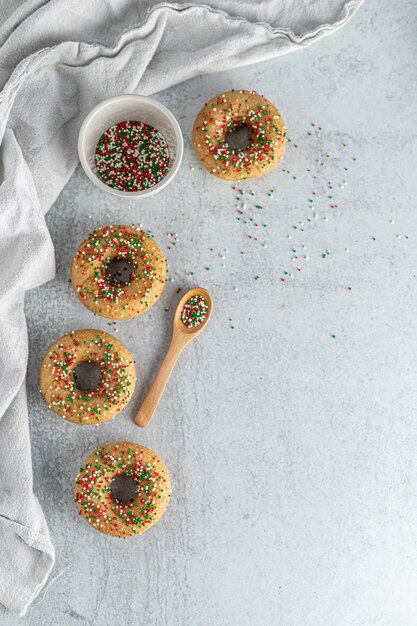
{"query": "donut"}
(118, 272)
(122, 489)
(236, 110)
(73, 396)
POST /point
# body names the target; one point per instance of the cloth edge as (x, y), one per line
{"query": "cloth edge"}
(33, 541)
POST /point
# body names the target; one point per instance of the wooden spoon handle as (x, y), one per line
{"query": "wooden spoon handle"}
(154, 394)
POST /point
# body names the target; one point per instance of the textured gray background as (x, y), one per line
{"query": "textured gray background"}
(293, 453)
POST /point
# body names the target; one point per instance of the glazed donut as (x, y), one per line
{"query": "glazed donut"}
(118, 272)
(227, 112)
(122, 489)
(108, 394)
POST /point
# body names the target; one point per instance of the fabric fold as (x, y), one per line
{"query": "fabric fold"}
(25, 566)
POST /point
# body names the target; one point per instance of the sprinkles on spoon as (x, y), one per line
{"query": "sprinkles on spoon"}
(194, 311)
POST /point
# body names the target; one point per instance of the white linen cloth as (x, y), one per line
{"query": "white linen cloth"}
(57, 60)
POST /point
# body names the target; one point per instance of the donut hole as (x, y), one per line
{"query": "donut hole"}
(124, 488)
(87, 376)
(119, 270)
(239, 138)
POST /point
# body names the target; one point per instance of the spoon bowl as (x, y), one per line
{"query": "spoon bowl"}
(192, 331)
(182, 335)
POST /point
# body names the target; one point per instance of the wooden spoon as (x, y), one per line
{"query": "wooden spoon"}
(181, 336)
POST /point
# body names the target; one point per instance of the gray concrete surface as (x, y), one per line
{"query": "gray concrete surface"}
(292, 437)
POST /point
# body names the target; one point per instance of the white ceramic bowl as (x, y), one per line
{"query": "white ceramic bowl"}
(119, 109)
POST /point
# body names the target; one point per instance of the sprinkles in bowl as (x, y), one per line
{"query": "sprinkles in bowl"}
(132, 156)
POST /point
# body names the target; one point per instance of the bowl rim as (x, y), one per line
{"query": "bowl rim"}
(117, 192)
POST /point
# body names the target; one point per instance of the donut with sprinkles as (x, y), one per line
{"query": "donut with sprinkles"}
(119, 272)
(127, 512)
(224, 114)
(88, 404)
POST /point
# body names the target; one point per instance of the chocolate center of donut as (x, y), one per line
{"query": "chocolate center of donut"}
(87, 376)
(119, 270)
(239, 138)
(124, 488)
